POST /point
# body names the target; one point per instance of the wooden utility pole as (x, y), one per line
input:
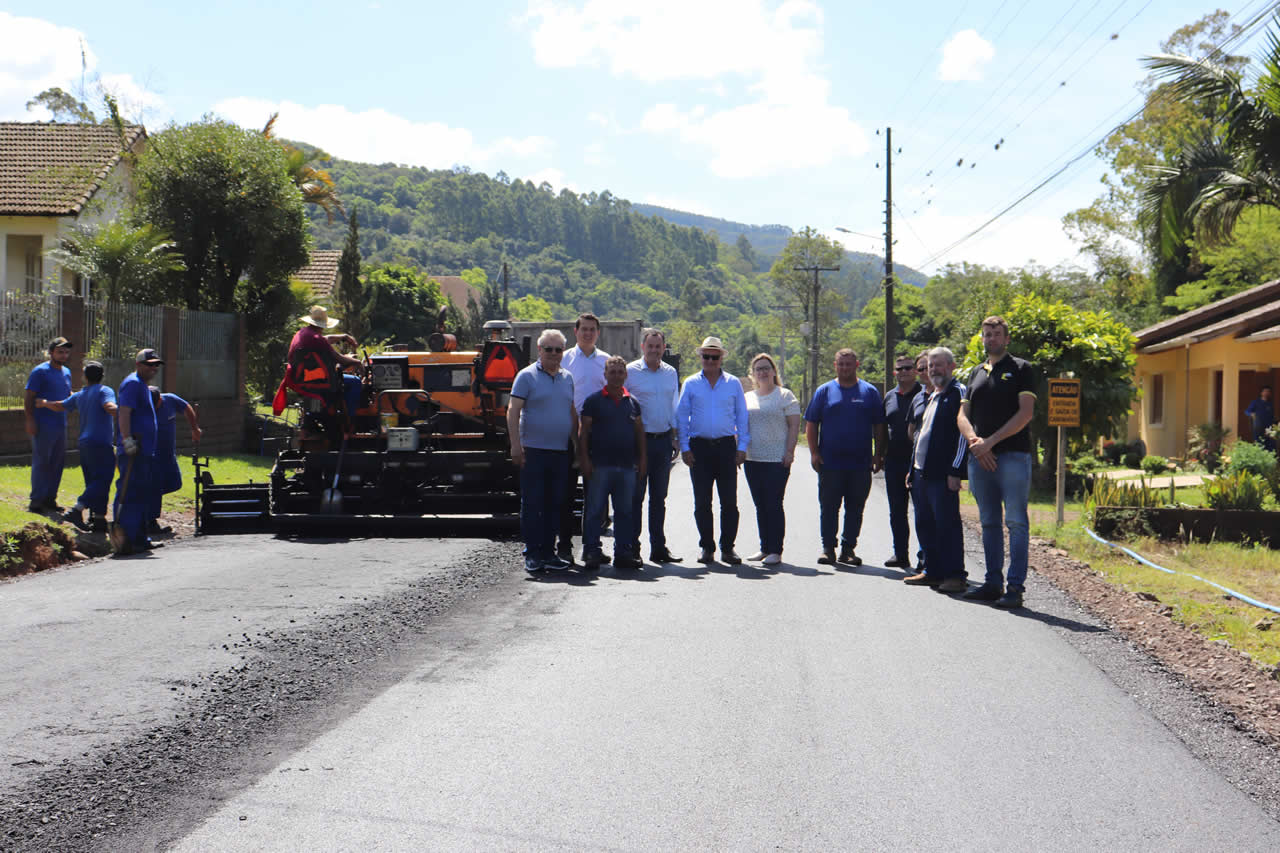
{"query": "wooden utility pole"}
(814, 348)
(889, 380)
(782, 343)
(506, 315)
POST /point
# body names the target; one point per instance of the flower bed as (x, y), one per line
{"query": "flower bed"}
(1186, 523)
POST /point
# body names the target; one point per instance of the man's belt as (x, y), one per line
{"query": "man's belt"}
(664, 434)
(719, 438)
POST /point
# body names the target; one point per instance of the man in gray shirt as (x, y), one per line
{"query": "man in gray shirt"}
(541, 419)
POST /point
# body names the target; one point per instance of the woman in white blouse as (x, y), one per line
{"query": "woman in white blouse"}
(773, 415)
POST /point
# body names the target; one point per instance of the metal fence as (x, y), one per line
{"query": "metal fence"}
(28, 321)
(207, 350)
(115, 333)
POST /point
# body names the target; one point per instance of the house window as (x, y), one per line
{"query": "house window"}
(1157, 400)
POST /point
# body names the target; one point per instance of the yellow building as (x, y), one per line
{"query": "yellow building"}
(1206, 366)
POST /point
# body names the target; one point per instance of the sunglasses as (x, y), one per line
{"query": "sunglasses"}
(553, 349)
(709, 357)
(906, 367)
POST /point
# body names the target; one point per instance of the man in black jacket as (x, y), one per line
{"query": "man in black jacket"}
(938, 466)
(897, 458)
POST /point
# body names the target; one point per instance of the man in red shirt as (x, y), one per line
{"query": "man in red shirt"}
(310, 338)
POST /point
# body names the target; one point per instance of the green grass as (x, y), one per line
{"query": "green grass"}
(15, 486)
(1253, 570)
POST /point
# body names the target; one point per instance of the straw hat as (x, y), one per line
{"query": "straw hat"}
(712, 342)
(319, 317)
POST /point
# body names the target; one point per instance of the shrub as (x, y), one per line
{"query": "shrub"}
(1246, 456)
(1112, 451)
(1155, 465)
(1204, 444)
(1241, 490)
(1132, 459)
(1085, 463)
(1109, 492)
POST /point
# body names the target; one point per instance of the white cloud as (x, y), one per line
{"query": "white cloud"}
(594, 154)
(965, 56)
(787, 123)
(378, 136)
(36, 55)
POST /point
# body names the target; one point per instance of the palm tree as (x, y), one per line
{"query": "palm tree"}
(125, 263)
(316, 185)
(1233, 166)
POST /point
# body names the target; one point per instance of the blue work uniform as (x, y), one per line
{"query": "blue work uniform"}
(133, 489)
(168, 475)
(846, 417)
(97, 429)
(49, 381)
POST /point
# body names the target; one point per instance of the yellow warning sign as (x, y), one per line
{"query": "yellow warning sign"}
(1064, 402)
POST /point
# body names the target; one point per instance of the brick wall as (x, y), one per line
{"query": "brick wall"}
(223, 422)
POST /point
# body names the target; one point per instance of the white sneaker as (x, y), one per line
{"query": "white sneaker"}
(756, 557)
(773, 559)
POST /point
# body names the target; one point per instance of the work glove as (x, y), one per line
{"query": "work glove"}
(130, 446)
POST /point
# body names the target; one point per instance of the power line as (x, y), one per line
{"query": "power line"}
(1239, 34)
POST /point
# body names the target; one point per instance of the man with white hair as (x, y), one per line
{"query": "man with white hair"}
(541, 419)
(938, 466)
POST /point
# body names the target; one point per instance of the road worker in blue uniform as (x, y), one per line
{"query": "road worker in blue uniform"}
(96, 405)
(47, 427)
(136, 452)
(168, 474)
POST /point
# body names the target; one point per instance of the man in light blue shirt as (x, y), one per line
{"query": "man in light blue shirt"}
(540, 419)
(656, 387)
(711, 423)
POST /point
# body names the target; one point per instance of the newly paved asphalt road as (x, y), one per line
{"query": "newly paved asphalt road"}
(733, 708)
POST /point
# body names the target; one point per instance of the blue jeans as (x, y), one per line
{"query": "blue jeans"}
(834, 488)
(895, 484)
(98, 464)
(768, 484)
(938, 526)
(1002, 495)
(606, 483)
(48, 453)
(657, 479)
(133, 498)
(715, 464)
(542, 483)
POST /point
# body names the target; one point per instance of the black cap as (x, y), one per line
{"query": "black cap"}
(148, 356)
(59, 342)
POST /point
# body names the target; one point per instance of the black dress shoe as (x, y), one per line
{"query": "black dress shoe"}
(847, 556)
(708, 555)
(626, 561)
(896, 562)
(730, 556)
(664, 556)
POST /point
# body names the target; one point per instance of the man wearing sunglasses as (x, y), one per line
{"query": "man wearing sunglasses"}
(541, 418)
(711, 423)
(898, 405)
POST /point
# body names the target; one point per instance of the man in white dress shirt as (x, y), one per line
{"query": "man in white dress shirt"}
(585, 363)
(656, 387)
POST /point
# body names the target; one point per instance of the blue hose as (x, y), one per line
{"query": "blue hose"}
(1141, 559)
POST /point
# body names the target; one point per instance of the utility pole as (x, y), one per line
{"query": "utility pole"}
(814, 349)
(506, 315)
(888, 260)
(782, 343)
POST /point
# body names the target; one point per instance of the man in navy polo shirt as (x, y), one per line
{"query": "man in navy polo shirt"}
(994, 419)
(47, 427)
(843, 420)
(136, 451)
(96, 404)
(611, 455)
(541, 420)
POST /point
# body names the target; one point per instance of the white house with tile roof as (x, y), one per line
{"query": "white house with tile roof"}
(52, 177)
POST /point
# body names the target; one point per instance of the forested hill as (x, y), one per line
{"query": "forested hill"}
(768, 240)
(576, 252)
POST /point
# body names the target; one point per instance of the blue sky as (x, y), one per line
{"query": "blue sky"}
(750, 110)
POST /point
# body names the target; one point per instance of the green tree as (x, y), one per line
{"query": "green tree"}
(1251, 257)
(531, 308)
(808, 248)
(403, 304)
(348, 297)
(1061, 340)
(1108, 229)
(316, 185)
(123, 263)
(63, 105)
(1230, 166)
(224, 196)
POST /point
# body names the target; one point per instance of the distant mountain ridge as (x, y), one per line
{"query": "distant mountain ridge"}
(767, 240)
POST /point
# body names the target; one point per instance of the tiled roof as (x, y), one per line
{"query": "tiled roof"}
(321, 273)
(53, 169)
(457, 289)
(1210, 318)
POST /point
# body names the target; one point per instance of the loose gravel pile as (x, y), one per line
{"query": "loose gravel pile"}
(285, 682)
